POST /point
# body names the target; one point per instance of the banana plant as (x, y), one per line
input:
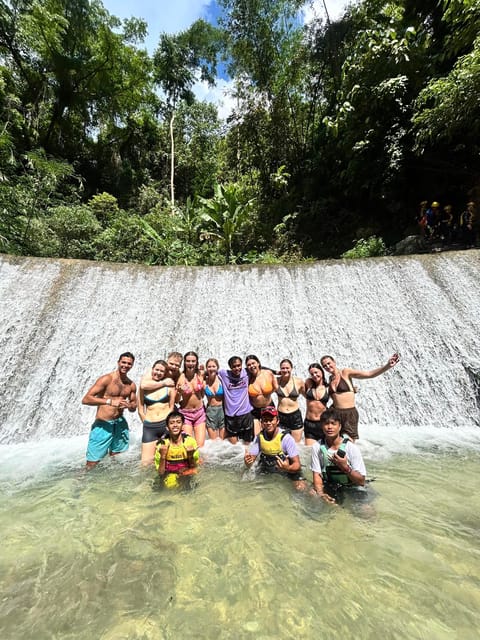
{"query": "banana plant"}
(226, 215)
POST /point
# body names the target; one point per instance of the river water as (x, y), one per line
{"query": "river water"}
(109, 555)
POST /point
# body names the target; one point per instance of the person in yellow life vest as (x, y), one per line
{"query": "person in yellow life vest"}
(276, 449)
(177, 454)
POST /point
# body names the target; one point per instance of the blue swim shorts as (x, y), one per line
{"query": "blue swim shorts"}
(107, 436)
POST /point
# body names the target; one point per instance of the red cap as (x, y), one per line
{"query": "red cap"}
(269, 411)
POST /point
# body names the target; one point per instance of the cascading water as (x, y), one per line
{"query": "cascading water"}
(64, 323)
(108, 554)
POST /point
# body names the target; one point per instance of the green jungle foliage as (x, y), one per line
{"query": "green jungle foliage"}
(366, 248)
(339, 130)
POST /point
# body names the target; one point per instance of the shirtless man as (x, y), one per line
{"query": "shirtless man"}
(342, 391)
(174, 361)
(111, 394)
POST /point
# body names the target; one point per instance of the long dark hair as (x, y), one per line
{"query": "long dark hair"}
(190, 353)
(316, 365)
(252, 357)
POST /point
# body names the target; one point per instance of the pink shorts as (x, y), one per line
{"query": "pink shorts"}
(194, 417)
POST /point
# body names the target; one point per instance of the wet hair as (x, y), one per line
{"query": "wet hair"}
(162, 362)
(316, 365)
(252, 376)
(190, 353)
(330, 414)
(127, 354)
(212, 360)
(175, 414)
(175, 354)
(233, 359)
(286, 360)
(325, 357)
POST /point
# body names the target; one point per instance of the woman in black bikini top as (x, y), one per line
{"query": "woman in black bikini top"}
(342, 386)
(290, 388)
(340, 381)
(342, 391)
(316, 394)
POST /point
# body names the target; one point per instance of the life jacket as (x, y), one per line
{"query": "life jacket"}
(177, 459)
(466, 218)
(331, 473)
(270, 449)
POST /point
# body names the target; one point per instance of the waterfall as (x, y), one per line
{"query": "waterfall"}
(63, 323)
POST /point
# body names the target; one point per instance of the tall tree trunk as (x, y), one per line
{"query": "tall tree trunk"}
(172, 163)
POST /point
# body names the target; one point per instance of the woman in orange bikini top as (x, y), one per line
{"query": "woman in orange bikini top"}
(262, 383)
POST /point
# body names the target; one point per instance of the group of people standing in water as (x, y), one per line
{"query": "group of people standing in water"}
(254, 404)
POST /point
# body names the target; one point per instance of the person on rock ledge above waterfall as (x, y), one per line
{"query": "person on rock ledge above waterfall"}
(111, 394)
(342, 391)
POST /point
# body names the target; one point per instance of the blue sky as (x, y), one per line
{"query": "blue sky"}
(161, 15)
(173, 16)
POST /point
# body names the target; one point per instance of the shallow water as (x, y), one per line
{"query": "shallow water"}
(108, 555)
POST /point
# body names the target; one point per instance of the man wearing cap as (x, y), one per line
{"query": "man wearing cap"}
(276, 449)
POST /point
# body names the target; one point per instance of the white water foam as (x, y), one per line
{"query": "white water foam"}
(24, 465)
(64, 323)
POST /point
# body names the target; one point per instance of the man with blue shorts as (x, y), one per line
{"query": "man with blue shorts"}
(111, 394)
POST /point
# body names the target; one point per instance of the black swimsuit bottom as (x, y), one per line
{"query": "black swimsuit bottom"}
(313, 429)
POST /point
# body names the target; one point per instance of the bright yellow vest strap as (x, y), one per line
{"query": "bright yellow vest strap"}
(271, 447)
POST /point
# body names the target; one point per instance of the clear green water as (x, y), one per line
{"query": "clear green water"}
(105, 555)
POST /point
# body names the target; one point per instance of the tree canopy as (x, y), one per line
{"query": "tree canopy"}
(339, 129)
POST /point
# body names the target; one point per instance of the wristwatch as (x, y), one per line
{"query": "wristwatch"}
(109, 401)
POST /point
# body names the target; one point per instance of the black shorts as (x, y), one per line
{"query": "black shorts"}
(295, 476)
(291, 421)
(239, 427)
(257, 412)
(313, 429)
(152, 431)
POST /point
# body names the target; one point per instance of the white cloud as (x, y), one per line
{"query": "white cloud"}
(220, 95)
(160, 15)
(316, 9)
(171, 17)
